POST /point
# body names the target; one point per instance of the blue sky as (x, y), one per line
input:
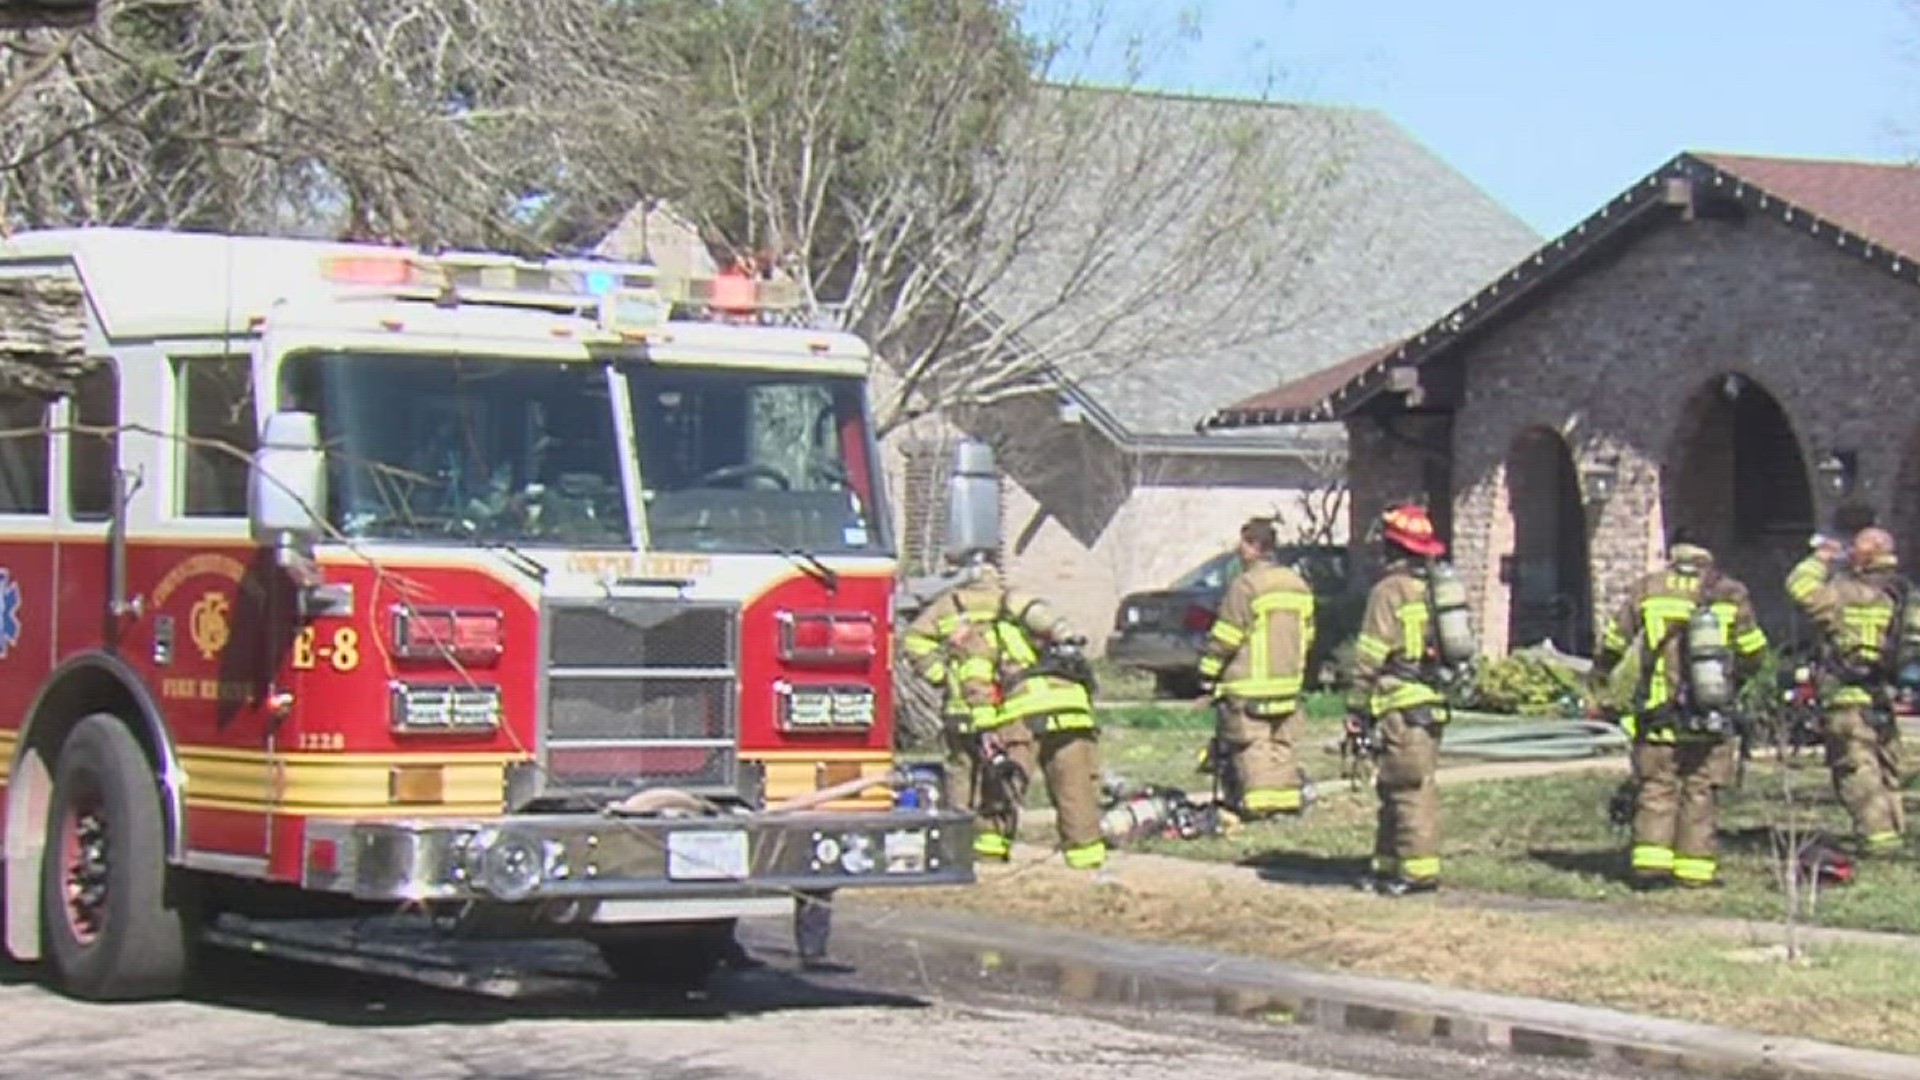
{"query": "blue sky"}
(1553, 106)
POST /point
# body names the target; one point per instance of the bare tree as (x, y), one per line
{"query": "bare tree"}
(1320, 508)
(943, 185)
(500, 123)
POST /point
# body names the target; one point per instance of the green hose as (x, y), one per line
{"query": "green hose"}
(1531, 740)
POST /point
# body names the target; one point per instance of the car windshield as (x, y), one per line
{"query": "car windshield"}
(741, 460)
(463, 448)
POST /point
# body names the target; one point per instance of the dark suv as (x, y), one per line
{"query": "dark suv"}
(1161, 630)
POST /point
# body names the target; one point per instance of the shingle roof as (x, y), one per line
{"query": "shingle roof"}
(1309, 390)
(1870, 210)
(1879, 201)
(1399, 236)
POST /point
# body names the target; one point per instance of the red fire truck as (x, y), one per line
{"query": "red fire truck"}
(549, 596)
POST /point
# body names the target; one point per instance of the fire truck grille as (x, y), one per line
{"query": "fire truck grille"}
(641, 694)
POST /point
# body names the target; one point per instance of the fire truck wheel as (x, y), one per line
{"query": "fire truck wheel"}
(113, 932)
(676, 957)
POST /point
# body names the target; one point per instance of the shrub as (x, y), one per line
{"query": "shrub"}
(1528, 685)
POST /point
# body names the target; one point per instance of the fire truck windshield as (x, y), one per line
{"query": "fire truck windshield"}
(465, 449)
(742, 460)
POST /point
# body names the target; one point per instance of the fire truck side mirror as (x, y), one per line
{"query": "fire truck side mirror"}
(973, 501)
(287, 487)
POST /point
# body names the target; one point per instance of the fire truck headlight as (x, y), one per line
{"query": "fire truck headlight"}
(425, 708)
(504, 864)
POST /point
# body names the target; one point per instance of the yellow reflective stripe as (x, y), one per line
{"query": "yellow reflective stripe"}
(1753, 641)
(1039, 697)
(935, 672)
(1629, 724)
(1806, 578)
(976, 667)
(1613, 638)
(1371, 647)
(992, 845)
(921, 646)
(1883, 841)
(1849, 695)
(1298, 605)
(1015, 644)
(1407, 696)
(984, 717)
(1693, 868)
(1273, 799)
(1226, 633)
(1086, 856)
(1421, 868)
(1652, 857)
(1413, 629)
(1071, 721)
(1211, 666)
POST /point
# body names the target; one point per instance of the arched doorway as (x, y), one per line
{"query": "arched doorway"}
(1737, 478)
(1550, 593)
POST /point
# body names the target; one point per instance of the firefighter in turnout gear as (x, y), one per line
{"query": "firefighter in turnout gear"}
(1866, 647)
(933, 645)
(1401, 665)
(1253, 663)
(1677, 650)
(1030, 702)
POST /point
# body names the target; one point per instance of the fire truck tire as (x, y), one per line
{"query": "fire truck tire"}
(677, 957)
(112, 930)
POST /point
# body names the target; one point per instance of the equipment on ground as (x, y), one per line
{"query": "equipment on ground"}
(1130, 815)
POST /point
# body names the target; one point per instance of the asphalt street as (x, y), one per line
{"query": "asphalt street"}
(888, 1008)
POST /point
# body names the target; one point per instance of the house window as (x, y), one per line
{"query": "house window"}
(217, 421)
(94, 445)
(23, 456)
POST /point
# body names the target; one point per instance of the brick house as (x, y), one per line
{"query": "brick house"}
(1110, 490)
(1728, 345)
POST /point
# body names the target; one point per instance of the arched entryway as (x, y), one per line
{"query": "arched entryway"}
(1550, 594)
(1737, 478)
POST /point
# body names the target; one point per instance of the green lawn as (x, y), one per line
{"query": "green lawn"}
(1549, 837)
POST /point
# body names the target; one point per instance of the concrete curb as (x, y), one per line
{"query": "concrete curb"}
(1518, 1025)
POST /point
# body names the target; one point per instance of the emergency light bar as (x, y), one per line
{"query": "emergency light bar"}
(624, 297)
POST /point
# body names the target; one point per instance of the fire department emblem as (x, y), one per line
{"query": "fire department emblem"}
(9, 612)
(208, 624)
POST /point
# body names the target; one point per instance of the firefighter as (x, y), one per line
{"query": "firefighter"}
(1678, 646)
(1252, 664)
(1032, 707)
(1400, 666)
(933, 644)
(1860, 611)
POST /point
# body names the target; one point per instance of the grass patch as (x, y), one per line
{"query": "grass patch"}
(1549, 837)
(1853, 995)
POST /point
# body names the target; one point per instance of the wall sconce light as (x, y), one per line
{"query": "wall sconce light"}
(1838, 469)
(1597, 480)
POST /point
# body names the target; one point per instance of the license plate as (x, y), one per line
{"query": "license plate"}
(707, 855)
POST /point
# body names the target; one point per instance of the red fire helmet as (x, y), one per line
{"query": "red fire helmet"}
(1409, 527)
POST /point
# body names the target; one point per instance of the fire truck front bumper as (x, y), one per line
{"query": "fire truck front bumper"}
(581, 858)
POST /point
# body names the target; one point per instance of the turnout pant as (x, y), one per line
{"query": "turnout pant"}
(1673, 814)
(1407, 840)
(961, 756)
(1264, 758)
(1070, 761)
(1865, 761)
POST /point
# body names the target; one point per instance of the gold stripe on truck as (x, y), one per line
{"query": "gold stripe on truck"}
(790, 774)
